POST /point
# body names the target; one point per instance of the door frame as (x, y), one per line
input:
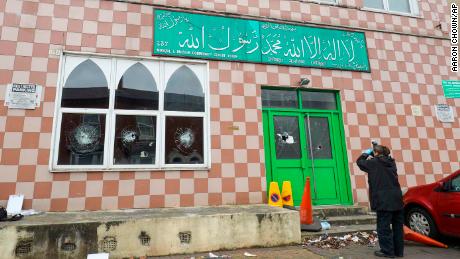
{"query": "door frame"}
(346, 194)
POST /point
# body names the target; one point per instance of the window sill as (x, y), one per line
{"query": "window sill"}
(324, 3)
(390, 12)
(89, 170)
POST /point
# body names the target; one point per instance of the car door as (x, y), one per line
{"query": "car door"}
(449, 207)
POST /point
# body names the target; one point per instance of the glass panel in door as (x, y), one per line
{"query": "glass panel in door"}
(321, 163)
(287, 139)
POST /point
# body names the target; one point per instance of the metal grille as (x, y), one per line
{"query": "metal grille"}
(109, 244)
(185, 237)
(68, 246)
(144, 238)
(23, 247)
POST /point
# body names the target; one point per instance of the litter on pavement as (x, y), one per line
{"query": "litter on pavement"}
(249, 254)
(212, 255)
(336, 242)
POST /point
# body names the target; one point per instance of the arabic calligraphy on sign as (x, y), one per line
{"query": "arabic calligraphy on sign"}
(215, 37)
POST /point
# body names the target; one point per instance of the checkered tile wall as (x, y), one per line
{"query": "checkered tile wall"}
(406, 70)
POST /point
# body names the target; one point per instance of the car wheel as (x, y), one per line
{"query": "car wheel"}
(419, 220)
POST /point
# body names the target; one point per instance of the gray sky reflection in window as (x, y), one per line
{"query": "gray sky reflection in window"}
(402, 6)
(377, 4)
(137, 89)
(86, 87)
(279, 98)
(184, 91)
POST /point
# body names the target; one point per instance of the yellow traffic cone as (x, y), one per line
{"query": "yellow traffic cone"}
(274, 196)
(286, 194)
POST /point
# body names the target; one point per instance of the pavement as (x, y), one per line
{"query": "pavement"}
(412, 251)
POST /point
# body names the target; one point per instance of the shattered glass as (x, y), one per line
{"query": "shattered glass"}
(320, 138)
(82, 139)
(135, 140)
(287, 137)
(184, 140)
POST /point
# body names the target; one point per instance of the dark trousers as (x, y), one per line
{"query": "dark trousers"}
(391, 240)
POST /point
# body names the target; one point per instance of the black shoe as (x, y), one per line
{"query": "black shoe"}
(399, 255)
(382, 254)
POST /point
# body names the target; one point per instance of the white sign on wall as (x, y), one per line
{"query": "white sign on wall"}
(23, 96)
(444, 113)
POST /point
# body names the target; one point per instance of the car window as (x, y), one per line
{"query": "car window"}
(456, 184)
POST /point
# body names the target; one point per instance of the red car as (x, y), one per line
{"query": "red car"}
(434, 209)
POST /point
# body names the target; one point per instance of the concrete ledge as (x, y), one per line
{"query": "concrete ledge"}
(148, 232)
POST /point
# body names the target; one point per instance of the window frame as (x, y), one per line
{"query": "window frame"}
(111, 113)
(326, 2)
(413, 5)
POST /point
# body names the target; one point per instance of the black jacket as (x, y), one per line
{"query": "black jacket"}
(384, 189)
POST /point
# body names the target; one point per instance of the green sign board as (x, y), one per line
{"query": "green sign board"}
(451, 88)
(215, 37)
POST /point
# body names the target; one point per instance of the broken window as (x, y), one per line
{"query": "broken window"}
(287, 137)
(114, 110)
(184, 140)
(135, 139)
(82, 139)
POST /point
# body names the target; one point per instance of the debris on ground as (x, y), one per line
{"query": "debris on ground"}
(336, 242)
(212, 255)
(249, 254)
(325, 225)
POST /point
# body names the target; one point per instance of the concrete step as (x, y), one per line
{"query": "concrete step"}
(340, 230)
(148, 232)
(352, 220)
(334, 211)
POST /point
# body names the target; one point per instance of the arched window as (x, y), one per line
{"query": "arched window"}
(127, 114)
(137, 89)
(86, 87)
(184, 91)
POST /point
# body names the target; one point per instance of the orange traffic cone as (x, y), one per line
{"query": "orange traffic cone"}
(274, 196)
(306, 212)
(416, 237)
(286, 194)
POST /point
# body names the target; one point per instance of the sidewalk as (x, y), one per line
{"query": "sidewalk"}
(412, 251)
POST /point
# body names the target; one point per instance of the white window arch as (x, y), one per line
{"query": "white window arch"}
(112, 115)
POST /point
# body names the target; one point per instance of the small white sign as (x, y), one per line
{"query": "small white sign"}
(444, 113)
(416, 110)
(98, 256)
(14, 205)
(23, 96)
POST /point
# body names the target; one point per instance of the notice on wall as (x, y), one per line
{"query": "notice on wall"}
(451, 88)
(23, 96)
(444, 113)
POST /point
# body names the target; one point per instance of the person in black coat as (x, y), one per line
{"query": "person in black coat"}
(386, 199)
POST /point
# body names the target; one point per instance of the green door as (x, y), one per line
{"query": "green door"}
(301, 143)
(321, 158)
(287, 156)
